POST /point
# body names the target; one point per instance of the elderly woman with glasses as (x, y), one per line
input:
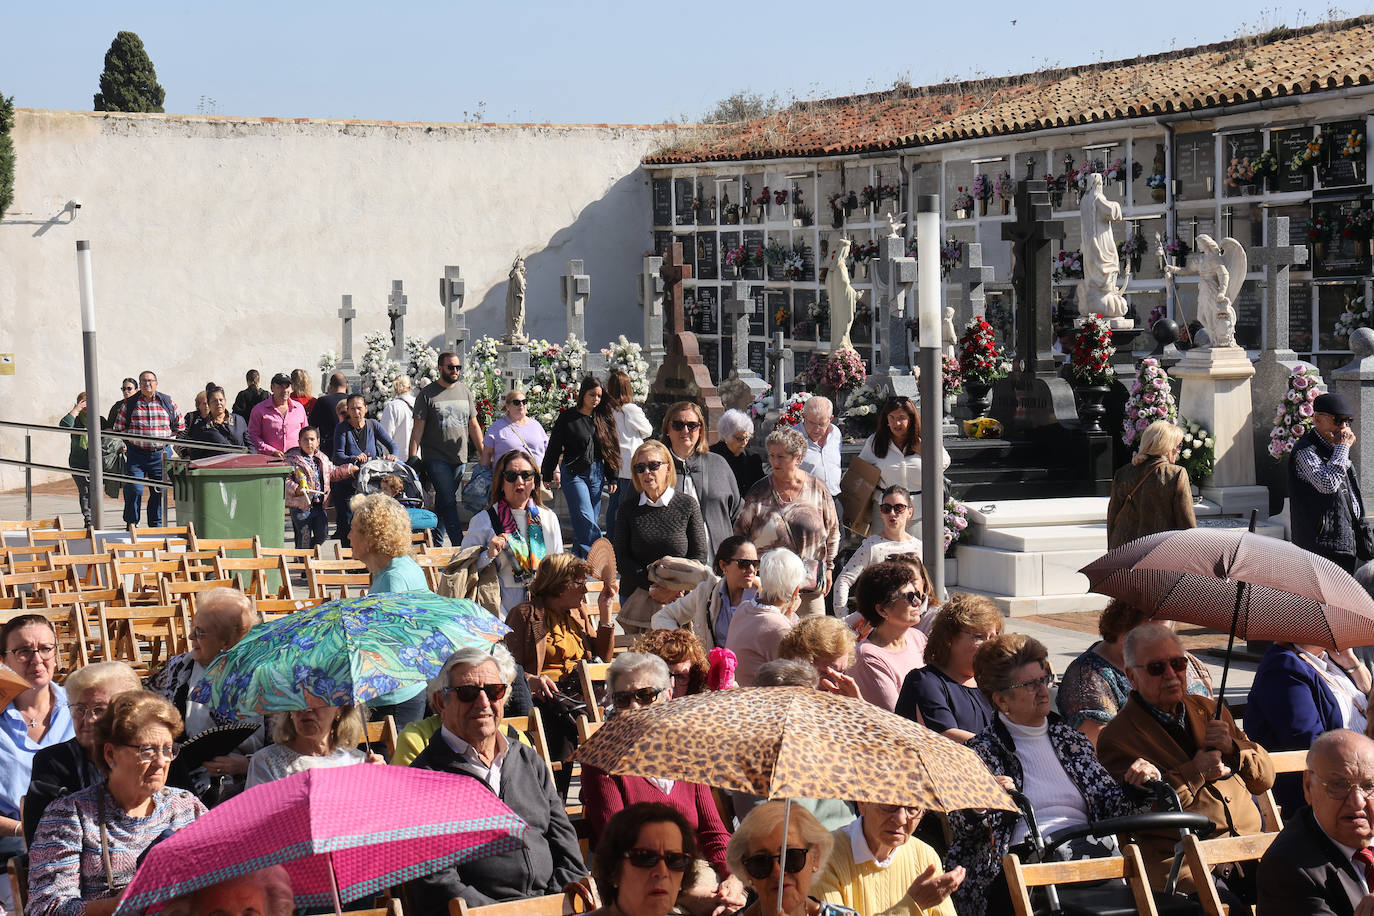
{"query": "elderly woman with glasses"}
(516, 431)
(897, 450)
(708, 609)
(701, 473)
(636, 680)
(642, 861)
(892, 596)
(88, 844)
(1030, 751)
(877, 866)
(790, 508)
(758, 851)
(663, 522)
(736, 430)
(762, 622)
(893, 538)
(944, 695)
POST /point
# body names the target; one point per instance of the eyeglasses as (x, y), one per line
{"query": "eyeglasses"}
(648, 858)
(1156, 668)
(199, 633)
(1339, 789)
(912, 598)
(26, 653)
(744, 562)
(467, 693)
(1339, 421)
(893, 810)
(644, 696)
(87, 711)
(690, 426)
(681, 677)
(457, 367)
(517, 402)
(978, 638)
(513, 476)
(147, 753)
(130, 388)
(1033, 685)
(741, 437)
(647, 466)
(760, 865)
(893, 508)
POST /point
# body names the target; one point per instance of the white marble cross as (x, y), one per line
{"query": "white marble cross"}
(577, 287)
(347, 313)
(452, 291)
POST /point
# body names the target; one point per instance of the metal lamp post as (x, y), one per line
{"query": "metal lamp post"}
(929, 312)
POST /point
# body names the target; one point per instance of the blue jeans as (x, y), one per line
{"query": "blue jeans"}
(140, 462)
(340, 494)
(623, 487)
(311, 527)
(445, 478)
(583, 492)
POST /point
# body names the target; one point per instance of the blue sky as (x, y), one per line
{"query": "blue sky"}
(584, 61)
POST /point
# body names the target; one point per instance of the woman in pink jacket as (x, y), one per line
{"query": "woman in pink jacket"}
(307, 489)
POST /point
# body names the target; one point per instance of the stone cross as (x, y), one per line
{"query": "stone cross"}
(683, 375)
(781, 368)
(347, 313)
(736, 309)
(396, 311)
(896, 275)
(452, 291)
(969, 276)
(673, 271)
(1276, 258)
(651, 299)
(1030, 235)
(577, 286)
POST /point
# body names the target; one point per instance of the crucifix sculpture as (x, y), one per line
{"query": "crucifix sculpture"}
(683, 376)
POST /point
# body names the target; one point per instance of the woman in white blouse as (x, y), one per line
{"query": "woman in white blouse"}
(631, 427)
(896, 451)
(895, 507)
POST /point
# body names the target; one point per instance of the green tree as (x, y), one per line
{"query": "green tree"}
(129, 82)
(6, 154)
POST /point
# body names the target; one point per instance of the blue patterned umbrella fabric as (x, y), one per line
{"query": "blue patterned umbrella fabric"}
(344, 652)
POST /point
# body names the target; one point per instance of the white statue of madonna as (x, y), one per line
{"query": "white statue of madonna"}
(842, 296)
(1098, 292)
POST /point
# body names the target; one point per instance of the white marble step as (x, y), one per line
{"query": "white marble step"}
(1024, 539)
(1014, 513)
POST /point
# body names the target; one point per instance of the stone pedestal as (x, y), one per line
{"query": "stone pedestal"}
(1355, 382)
(1216, 393)
(513, 362)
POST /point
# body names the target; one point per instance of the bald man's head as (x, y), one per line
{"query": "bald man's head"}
(1339, 785)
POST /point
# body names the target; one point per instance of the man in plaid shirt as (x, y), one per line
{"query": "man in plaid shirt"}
(151, 414)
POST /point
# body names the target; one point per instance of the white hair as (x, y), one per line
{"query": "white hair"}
(470, 657)
(781, 573)
(627, 663)
(818, 405)
(1146, 634)
(734, 422)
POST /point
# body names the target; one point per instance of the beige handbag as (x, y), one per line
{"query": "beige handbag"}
(856, 495)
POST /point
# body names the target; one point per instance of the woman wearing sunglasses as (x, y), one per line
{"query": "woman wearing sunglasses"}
(892, 596)
(757, 853)
(88, 844)
(516, 530)
(663, 521)
(644, 854)
(708, 609)
(583, 457)
(516, 431)
(701, 473)
(636, 680)
(1031, 751)
(895, 508)
(897, 451)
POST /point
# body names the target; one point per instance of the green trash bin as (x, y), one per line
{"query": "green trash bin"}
(237, 496)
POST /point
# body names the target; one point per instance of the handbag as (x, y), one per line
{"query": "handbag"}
(477, 486)
(856, 495)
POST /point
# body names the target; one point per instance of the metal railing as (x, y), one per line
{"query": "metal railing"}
(28, 464)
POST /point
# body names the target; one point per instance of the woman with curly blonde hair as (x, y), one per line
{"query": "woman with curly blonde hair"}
(826, 644)
(687, 665)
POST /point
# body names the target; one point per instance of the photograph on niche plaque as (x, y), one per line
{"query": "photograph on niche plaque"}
(1343, 154)
(707, 257)
(1287, 144)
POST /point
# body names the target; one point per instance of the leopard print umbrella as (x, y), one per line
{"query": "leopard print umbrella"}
(794, 742)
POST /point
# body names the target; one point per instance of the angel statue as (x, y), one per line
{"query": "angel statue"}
(1220, 270)
(515, 303)
(895, 224)
(1098, 292)
(842, 296)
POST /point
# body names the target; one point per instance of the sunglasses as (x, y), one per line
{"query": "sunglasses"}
(744, 563)
(647, 466)
(644, 695)
(912, 597)
(893, 508)
(760, 864)
(467, 693)
(513, 476)
(515, 402)
(1156, 668)
(690, 426)
(647, 858)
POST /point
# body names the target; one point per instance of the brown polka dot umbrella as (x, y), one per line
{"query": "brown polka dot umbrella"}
(794, 742)
(1238, 582)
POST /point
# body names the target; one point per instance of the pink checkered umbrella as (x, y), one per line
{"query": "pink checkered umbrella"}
(342, 833)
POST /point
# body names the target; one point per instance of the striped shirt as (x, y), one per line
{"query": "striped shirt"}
(150, 418)
(1327, 476)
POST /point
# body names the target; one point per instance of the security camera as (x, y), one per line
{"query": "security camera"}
(73, 205)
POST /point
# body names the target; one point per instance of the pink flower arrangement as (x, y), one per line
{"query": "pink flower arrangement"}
(1151, 399)
(842, 370)
(981, 189)
(956, 520)
(951, 376)
(1293, 418)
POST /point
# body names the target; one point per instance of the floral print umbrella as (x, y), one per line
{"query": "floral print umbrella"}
(344, 652)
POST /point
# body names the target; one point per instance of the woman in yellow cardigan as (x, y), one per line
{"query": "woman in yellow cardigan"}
(877, 867)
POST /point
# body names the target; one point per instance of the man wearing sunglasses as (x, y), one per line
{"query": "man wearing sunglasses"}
(443, 423)
(1165, 732)
(1326, 507)
(470, 693)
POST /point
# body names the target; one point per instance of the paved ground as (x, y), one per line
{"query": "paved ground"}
(1066, 635)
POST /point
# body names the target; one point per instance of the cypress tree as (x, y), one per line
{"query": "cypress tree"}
(6, 153)
(129, 82)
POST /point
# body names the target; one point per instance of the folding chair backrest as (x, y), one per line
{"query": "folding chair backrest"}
(63, 540)
(183, 595)
(29, 524)
(142, 635)
(252, 544)
(1129, 865)
(1202, 855)
(533, 727)
(251, 574)
(1284, 762)
(88, 570)
(18, 873)
(273, 608)
(586, 728)
(145, 549)
(180, 535)
(198, 564)
(31, 584)
(26, 557)
(421, 539)
(344, 577)
(591, 674)
(382, 731)
(548, 905)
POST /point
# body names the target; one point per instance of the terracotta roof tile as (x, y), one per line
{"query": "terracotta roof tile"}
(1280, 63)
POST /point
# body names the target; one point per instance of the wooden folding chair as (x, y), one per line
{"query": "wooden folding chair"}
(590, 674)
(183, 595)
(85, 617)
(140, 577)
(392, 908)
(63, 540)
(383, 732)
(18, 870)
(29, 524)
(251, 574)
(146, 550)
(173, 535)
(10, 604)
(1284, 762)
(295, 559)
(198, 564)
(30, 585)
(586, 728)
(142, 635)
(26, 557)
(1128, 865)
(274, 608)
(422, 539)
(253, 545)
(532, 726)
(550, 905)
(88, 570)
(1202, 856)
(339, 576)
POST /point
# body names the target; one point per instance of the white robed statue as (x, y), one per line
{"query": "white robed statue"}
(843, 298)
(1098, 292)
(1220, 270)
(515, 303)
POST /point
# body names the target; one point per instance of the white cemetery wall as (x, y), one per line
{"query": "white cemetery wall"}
(221, 244)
